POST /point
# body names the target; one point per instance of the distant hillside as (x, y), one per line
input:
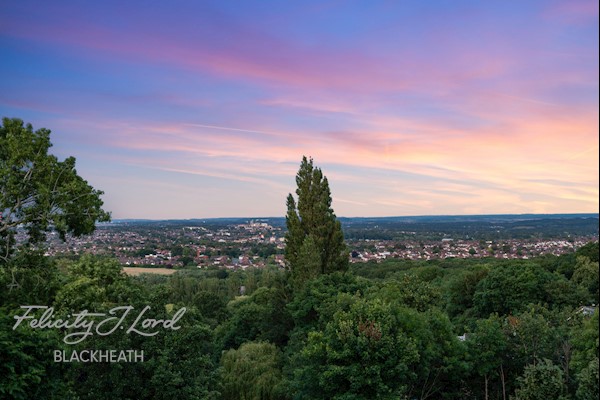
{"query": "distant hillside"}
(484, 227)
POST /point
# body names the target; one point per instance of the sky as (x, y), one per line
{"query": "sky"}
(199, 109)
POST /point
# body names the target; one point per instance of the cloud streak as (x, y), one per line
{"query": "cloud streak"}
(408, 111)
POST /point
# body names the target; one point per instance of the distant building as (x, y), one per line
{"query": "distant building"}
(587, 310)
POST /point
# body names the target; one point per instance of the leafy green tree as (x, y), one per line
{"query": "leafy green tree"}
(510, 288)
(178, 363)
(376, 348)
(441, 356)
(541, 381)
(382, 270)
(460, 290)
(432, 274)
(252, 372)
(586, 275)
(316, 303)
(314, 241)
(184, 287)
(565, 263)
(184, 366)
(308, 265)
(96, 283)
(363, 353)
(211, 306)
(585, 342)
(487, 346)
(531, 337)
(27, 370)
(409, 290)
(261, 316)
(561, 293)
(28, 278)
(590, 251)
(39, 192)
(588, 382)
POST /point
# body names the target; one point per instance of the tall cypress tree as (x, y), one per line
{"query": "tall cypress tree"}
(314, 241)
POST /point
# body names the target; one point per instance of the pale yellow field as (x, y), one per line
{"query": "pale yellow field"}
(140, 270)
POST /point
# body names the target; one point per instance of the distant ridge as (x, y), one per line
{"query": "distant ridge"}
(485, 227)
(420, 218)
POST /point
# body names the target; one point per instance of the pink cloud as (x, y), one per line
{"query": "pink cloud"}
(252, 55)
(494, 171)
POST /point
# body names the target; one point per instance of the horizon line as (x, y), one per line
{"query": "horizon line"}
(370, 217)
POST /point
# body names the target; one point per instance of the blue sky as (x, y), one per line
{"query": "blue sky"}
(205, 109)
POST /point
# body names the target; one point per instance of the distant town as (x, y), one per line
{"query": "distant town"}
(243, 243)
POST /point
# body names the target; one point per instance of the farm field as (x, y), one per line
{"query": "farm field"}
(135, 271)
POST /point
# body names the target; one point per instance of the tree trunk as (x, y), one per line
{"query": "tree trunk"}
(503, 383)
(486, 387)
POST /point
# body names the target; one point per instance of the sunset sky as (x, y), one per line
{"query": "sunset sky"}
(197, 109)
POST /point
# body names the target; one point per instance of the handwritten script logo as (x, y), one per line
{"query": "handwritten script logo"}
(86, 323)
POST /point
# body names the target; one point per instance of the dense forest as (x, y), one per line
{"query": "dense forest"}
(317, 329)
(415, 330)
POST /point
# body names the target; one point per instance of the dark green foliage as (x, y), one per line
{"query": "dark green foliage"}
(339, 336)
(590, 251)
(212, 307)
(429, 273)
(487, 345)
(541, 381)
(588, 382)
(178, 363)
(410, 291)
(585, 276)
(259, 317)
(443, 358)
(509, 288)
(373, 270)
(96, 283)
(565, 263)
(561, 293)
(376, 349)
(28, 278)
(27, 370)
(585, 342)
(184, 365)
(314, 305)
(314, 241)
(186, 285)
(460, 290)
(363, 353)
(531, 337)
